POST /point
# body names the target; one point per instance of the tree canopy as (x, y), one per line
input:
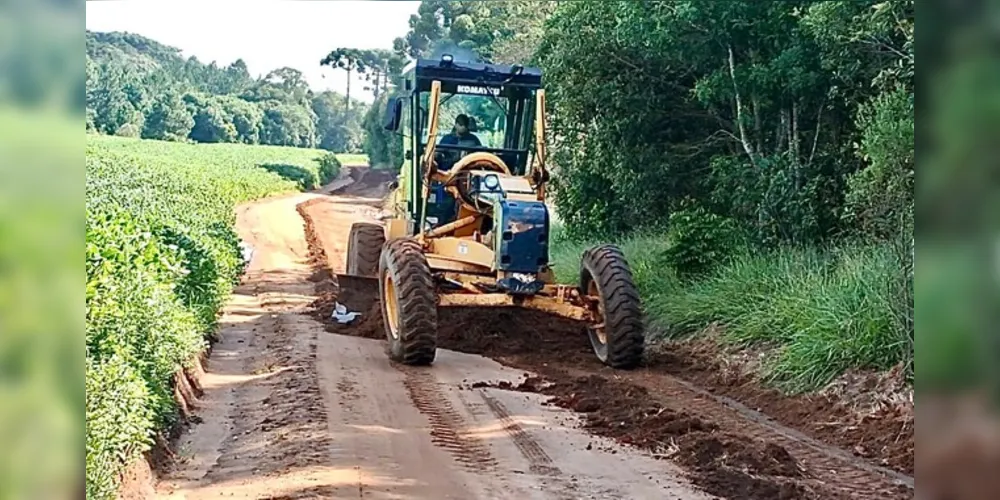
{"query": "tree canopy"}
(140, 87)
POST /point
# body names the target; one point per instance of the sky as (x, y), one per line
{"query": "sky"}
(266, 34)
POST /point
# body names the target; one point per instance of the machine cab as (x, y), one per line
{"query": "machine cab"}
(495, 107)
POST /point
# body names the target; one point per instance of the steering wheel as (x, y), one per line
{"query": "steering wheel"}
(479, 161)
(459, 175)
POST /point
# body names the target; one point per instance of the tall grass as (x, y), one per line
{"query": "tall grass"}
(825, 311)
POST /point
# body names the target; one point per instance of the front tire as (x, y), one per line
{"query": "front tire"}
(409, 303)
(605, 277)
(364, 247)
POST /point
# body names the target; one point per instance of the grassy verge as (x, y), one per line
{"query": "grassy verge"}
(161, 257)
(825, 311)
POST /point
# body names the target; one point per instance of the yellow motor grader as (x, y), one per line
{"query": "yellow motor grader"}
(469, 223)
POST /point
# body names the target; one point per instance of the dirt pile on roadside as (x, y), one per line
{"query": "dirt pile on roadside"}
(850, 414)
(723, 464)
(368, 183)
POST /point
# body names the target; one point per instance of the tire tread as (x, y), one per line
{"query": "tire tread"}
(623, 318)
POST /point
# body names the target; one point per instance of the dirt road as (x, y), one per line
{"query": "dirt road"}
(292, 411)
(296, 406)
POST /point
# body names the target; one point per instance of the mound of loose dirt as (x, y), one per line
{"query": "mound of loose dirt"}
(724, 464)
(368, 183)
(359, 295)
(883, 434)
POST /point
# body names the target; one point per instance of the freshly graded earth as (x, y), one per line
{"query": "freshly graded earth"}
(515, 406)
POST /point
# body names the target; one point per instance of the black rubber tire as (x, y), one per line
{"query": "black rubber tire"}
(624, 327)
(415, 342)
(364, 246)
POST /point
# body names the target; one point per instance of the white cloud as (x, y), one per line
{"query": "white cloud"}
(265, 34)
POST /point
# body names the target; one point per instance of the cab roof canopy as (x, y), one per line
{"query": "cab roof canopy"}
(420, 73)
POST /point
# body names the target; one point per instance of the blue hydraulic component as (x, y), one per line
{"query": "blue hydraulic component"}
(441, 205)
(521, 236)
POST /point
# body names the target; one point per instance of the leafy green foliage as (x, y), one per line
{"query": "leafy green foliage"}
(288, 125)
(305, 179)
(384, 147)
(879, 200)
(498, 31)
(329, 168)
(161, 257)
(733, 123)
(119, 421)
(134, 83)
(211, 124)
(742, 106)
(699, 240)
(824, 311)
(168, 120)
(342, 128)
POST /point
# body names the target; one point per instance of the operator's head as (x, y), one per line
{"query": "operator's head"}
(462, 125)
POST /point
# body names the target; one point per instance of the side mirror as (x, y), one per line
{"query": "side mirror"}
(393, 114)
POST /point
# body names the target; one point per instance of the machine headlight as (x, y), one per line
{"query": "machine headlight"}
(491, 182)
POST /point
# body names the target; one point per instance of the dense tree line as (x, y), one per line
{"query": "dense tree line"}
(138, 87)
(792, 119)
(791, 122)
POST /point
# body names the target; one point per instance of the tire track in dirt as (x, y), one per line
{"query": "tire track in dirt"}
(448, 428)
(263, 414)
(538, 458)
(473, 436)
(347, 393)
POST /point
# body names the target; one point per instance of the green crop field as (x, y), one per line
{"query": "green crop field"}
(161, 257)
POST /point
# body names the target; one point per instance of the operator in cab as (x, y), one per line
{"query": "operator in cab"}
(461, 135)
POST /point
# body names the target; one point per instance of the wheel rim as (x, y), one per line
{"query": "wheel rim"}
(598, 331)
(391, 305)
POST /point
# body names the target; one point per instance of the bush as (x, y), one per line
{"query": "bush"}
(879, 199)
(329, 168)
(118, 422)
(699, 240)
(384, 148)
(305, 178)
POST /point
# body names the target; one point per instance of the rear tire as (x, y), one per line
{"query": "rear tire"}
(409, 303)
(364, 246)
(604, 272)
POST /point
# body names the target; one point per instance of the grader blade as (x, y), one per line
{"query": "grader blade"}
(358, 293)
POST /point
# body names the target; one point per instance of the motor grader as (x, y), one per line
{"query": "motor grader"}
(469, 225)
